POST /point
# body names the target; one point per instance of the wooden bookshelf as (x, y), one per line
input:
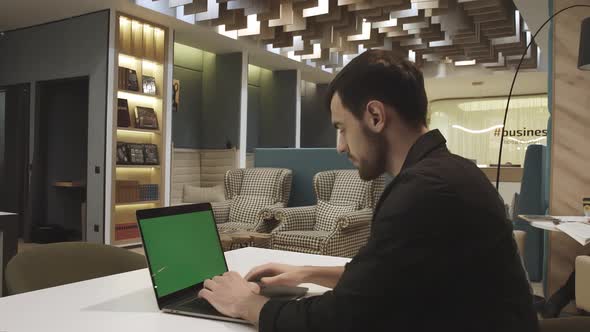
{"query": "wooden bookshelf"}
(141, 47)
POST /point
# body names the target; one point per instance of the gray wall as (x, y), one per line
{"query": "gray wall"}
(71, 48)
(186, 122)
(277, 112)
(221, 116)
(316, 126)
(209, 110)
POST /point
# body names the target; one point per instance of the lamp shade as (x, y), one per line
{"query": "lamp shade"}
(584, 57)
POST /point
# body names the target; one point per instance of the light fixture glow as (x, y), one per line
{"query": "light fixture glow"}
(465, 63)
(526, 142)
(476, 131)
(322, 8)
(127, 61)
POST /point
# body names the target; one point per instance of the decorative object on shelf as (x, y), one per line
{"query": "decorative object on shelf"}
(123, 118)
(228, 144)
(128, 79)
(127, 191)
(149, 192)
(145, 118)
(122, 154)
(149, 85)
(136, 154)
(175, 95)
(126, 231)
(150, 152)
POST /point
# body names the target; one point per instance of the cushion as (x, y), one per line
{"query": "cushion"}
(300, 239)
(349, 188)
(196, 195)
(245, 209)
(327, 214)
(260, 182)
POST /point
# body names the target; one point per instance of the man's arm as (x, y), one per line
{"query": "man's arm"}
(290, 275)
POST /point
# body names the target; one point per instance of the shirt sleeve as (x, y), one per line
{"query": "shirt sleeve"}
(379, 282)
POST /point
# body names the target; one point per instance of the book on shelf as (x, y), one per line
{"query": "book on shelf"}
(146, 118)
(128, 79)
(151, 154)
(122, 154)
(149, 192)
(123, 118)
(135, 153)
(126, 231)
(127, 191)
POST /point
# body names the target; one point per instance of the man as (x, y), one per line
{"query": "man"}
(441, 256)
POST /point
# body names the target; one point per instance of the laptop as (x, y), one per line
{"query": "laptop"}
(183, 249)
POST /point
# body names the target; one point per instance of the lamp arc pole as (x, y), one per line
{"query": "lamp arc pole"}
(514, 81)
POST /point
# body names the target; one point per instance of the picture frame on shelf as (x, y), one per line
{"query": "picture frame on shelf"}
(151, 154)
(122, 154)
(146, 118)
(136, 154)
(149, 85)
(123, 118)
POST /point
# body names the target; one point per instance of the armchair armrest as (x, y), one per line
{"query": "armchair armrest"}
(354, 220)
(582, 286)
(269, 211)
(295, 219)
(221, 211)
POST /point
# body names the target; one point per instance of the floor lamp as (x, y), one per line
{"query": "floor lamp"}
(583, 64)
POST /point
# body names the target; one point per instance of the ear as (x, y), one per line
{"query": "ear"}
(375, 116)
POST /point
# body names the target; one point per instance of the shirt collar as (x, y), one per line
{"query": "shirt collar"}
(423, 146)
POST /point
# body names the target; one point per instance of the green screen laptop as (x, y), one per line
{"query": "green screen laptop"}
(183, 249)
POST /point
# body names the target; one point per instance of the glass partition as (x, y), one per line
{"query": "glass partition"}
(473, 127)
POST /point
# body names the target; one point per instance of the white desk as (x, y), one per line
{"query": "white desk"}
(126, 302)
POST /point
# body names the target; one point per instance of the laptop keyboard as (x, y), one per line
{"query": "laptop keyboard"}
(199, 305)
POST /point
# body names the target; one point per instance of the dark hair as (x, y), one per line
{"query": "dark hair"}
(382, 75)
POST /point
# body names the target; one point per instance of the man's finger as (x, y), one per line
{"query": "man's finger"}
(210, 284)
(254, 287)
(272, 280)
(255, 272)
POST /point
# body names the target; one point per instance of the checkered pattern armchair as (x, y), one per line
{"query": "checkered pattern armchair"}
(339, 225)
(251, 194)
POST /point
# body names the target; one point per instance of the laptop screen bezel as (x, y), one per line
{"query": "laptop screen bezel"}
(189, 291)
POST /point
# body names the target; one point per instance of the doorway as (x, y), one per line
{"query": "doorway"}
(14, 150)
(60, 161)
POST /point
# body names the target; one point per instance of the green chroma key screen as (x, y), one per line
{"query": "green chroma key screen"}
(183, 250)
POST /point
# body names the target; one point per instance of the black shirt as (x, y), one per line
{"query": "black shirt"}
(441, 257)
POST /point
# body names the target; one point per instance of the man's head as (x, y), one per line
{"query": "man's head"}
(377, 96)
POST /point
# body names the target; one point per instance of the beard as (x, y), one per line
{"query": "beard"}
(373, 164)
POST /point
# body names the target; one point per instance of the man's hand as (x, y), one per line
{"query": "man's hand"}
(275, 274)
(233, 296)
(278, 274)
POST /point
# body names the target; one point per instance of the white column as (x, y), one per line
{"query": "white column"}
(244, 111)
(298, 111)
(168, 107)
(108, 161)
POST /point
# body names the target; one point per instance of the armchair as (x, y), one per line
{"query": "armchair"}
(339, 225)
(250, 194)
